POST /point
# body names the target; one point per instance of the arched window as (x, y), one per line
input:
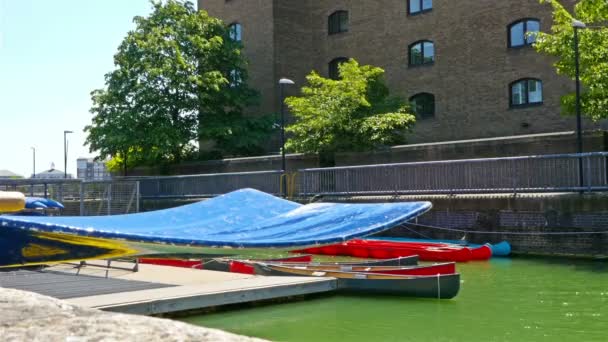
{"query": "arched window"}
(523, 32)
(337, 22)
(419, 6)
(334, 70)
(422, 52)
(235, 31)
(526, 91)
(423, 105)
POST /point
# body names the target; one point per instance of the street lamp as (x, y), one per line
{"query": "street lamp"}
(65, 154)
(282, 83)
(576, 24)
(34, 162)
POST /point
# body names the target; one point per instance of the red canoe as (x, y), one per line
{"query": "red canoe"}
(390, 249)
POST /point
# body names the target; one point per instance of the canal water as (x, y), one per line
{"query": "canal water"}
(519, 299)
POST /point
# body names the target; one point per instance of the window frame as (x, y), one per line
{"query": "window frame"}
(337, 17)
(525, 32)
(423, 63)
(336, 61)
(421, 11)
(526, 83)
(235, 78)
(235, 28)
(427, 115)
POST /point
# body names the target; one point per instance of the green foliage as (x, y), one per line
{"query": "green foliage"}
(593, 47)
(353, 113)
(172, 87)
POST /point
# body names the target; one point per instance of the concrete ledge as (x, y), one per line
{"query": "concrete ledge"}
(26, 316)
(184, 298)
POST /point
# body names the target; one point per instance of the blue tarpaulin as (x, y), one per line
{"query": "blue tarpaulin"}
(243, 218)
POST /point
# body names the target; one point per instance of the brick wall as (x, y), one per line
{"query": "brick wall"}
(470, 77)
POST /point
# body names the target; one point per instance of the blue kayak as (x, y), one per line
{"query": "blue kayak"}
(41, 203)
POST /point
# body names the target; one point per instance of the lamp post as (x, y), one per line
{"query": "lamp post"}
(576, 24)
(282, 83)
(65, 154)
(33, 162)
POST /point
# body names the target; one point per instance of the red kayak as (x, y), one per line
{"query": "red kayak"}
(483, 252)
(199, 263)
(380, 249)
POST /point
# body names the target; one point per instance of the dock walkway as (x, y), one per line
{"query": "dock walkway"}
(163, 289)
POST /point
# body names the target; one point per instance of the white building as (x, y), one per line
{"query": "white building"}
(7, 174)
(53, 173)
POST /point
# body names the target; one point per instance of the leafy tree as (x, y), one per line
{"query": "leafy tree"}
(593, 44)
(179, 78)
(353, 113)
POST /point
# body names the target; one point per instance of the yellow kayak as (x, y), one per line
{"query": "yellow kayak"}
(11, 201)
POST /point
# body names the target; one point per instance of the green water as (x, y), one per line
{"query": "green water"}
(501, 300)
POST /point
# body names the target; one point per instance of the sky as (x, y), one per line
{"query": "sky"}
(53, 53)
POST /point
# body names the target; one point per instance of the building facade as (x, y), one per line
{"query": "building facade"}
(89, 169)
(467, 66)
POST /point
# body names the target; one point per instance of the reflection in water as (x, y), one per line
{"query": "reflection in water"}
(520, 299)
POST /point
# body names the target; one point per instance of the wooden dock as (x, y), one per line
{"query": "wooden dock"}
(163, 289)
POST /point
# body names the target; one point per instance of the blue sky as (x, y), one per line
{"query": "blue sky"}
(53, 53)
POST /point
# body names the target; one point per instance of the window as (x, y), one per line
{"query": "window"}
(422, 52)
(337, 22)
(235, 78)
(334, 70)
(235, 31)
(527, 91)
(523, 32)
(423, 105)
(419, 6)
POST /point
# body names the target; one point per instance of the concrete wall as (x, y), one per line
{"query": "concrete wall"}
(529, 217)
(496, 147)
(555, 143)
(263, 163)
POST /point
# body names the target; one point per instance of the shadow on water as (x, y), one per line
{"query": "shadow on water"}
(595, 265)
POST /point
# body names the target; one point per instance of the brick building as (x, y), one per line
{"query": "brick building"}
(467, 65)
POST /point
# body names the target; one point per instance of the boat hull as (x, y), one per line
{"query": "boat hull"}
(439, 286)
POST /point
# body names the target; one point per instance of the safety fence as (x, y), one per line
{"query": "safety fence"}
(586, 172)
(81, 197)
(547, 173)
(207, 185)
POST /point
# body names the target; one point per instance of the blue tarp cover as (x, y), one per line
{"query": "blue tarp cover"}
(243, 218)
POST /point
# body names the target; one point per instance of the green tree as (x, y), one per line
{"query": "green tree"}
(353, 113)
(593, 43)
(179, 78)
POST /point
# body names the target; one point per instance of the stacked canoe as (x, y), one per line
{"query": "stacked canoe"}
(398, 276)
(384, 249)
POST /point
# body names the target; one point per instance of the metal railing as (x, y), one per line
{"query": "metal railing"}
(546, 173)
(207, 185)
(80, 197)
(531, 174)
